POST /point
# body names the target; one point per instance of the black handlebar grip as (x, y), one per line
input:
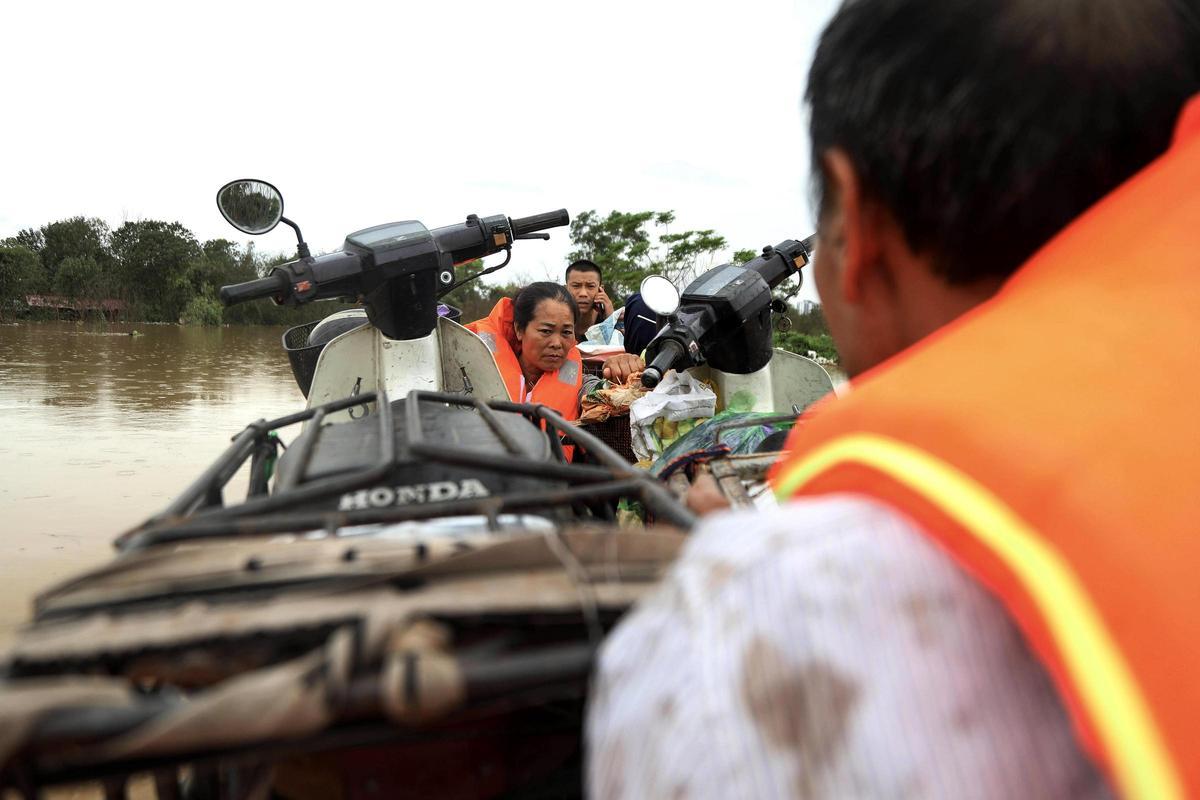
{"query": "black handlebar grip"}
(539, 222)
(665, 360)
(274, 284)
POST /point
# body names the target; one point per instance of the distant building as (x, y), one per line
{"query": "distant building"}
(110, 308)
(807, 306)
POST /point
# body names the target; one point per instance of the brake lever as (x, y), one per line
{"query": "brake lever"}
(542, 236)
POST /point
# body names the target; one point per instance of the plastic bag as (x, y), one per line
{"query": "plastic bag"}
(605, 331)
(736, 441)
(678, 397)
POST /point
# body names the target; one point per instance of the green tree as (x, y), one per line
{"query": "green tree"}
(29, 238)
(252, 204)
(20, 274)
(77, 237)
(202, 310)
(628, 246)
(153, 264)
(218, 262)
(157, 267)
(79, 277)
(222, 261)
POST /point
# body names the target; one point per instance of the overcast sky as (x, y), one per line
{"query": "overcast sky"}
(363, 114)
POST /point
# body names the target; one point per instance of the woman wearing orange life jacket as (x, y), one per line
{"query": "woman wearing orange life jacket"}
(532, 339)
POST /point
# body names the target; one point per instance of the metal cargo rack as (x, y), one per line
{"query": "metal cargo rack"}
(200, 512)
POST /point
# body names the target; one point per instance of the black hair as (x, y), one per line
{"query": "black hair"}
(584, 265)
(985, 126)
(527, 300)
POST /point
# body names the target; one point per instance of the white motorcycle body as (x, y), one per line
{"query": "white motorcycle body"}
(450, 359)
(453, 359)
(789, 383)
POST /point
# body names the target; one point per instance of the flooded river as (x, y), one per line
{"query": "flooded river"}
(100, 429)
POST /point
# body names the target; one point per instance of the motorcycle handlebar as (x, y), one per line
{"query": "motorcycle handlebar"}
(670, 352)
(539, 222)
(336, 277)
(274, 285)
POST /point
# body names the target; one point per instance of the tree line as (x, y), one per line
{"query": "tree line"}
(159, 270)
(163, 273)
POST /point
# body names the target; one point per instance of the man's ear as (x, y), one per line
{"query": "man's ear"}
(517, 330)
(851, 225)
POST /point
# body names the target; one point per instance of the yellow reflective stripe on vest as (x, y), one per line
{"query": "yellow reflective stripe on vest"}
(1107, 687)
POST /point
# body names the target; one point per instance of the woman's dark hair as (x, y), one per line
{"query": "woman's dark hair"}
(985, 126)
(528, 299)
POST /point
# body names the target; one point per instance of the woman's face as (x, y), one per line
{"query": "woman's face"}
(548, 337)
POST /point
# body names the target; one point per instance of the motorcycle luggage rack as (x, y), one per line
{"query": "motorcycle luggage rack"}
(200, 512)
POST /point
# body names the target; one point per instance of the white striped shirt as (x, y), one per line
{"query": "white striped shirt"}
(825, 648)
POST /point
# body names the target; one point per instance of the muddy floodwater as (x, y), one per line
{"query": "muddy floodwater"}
(100, 429)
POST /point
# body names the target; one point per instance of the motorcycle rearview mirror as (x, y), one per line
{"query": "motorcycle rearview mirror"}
(255, 207)
(251, 206)
(660, 295)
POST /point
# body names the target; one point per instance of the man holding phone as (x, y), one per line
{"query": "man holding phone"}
(592, 303)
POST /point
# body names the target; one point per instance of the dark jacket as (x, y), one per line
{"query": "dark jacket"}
(641, 324)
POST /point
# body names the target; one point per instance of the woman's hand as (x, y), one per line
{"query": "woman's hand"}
(618, 368)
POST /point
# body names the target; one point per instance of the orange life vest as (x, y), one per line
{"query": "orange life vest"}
(558, 390)
(1049, 440)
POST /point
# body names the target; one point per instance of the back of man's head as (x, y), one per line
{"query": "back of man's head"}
(985, 126)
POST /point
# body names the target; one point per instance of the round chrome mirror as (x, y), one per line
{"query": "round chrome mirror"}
(660, 295)
(251, 206)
